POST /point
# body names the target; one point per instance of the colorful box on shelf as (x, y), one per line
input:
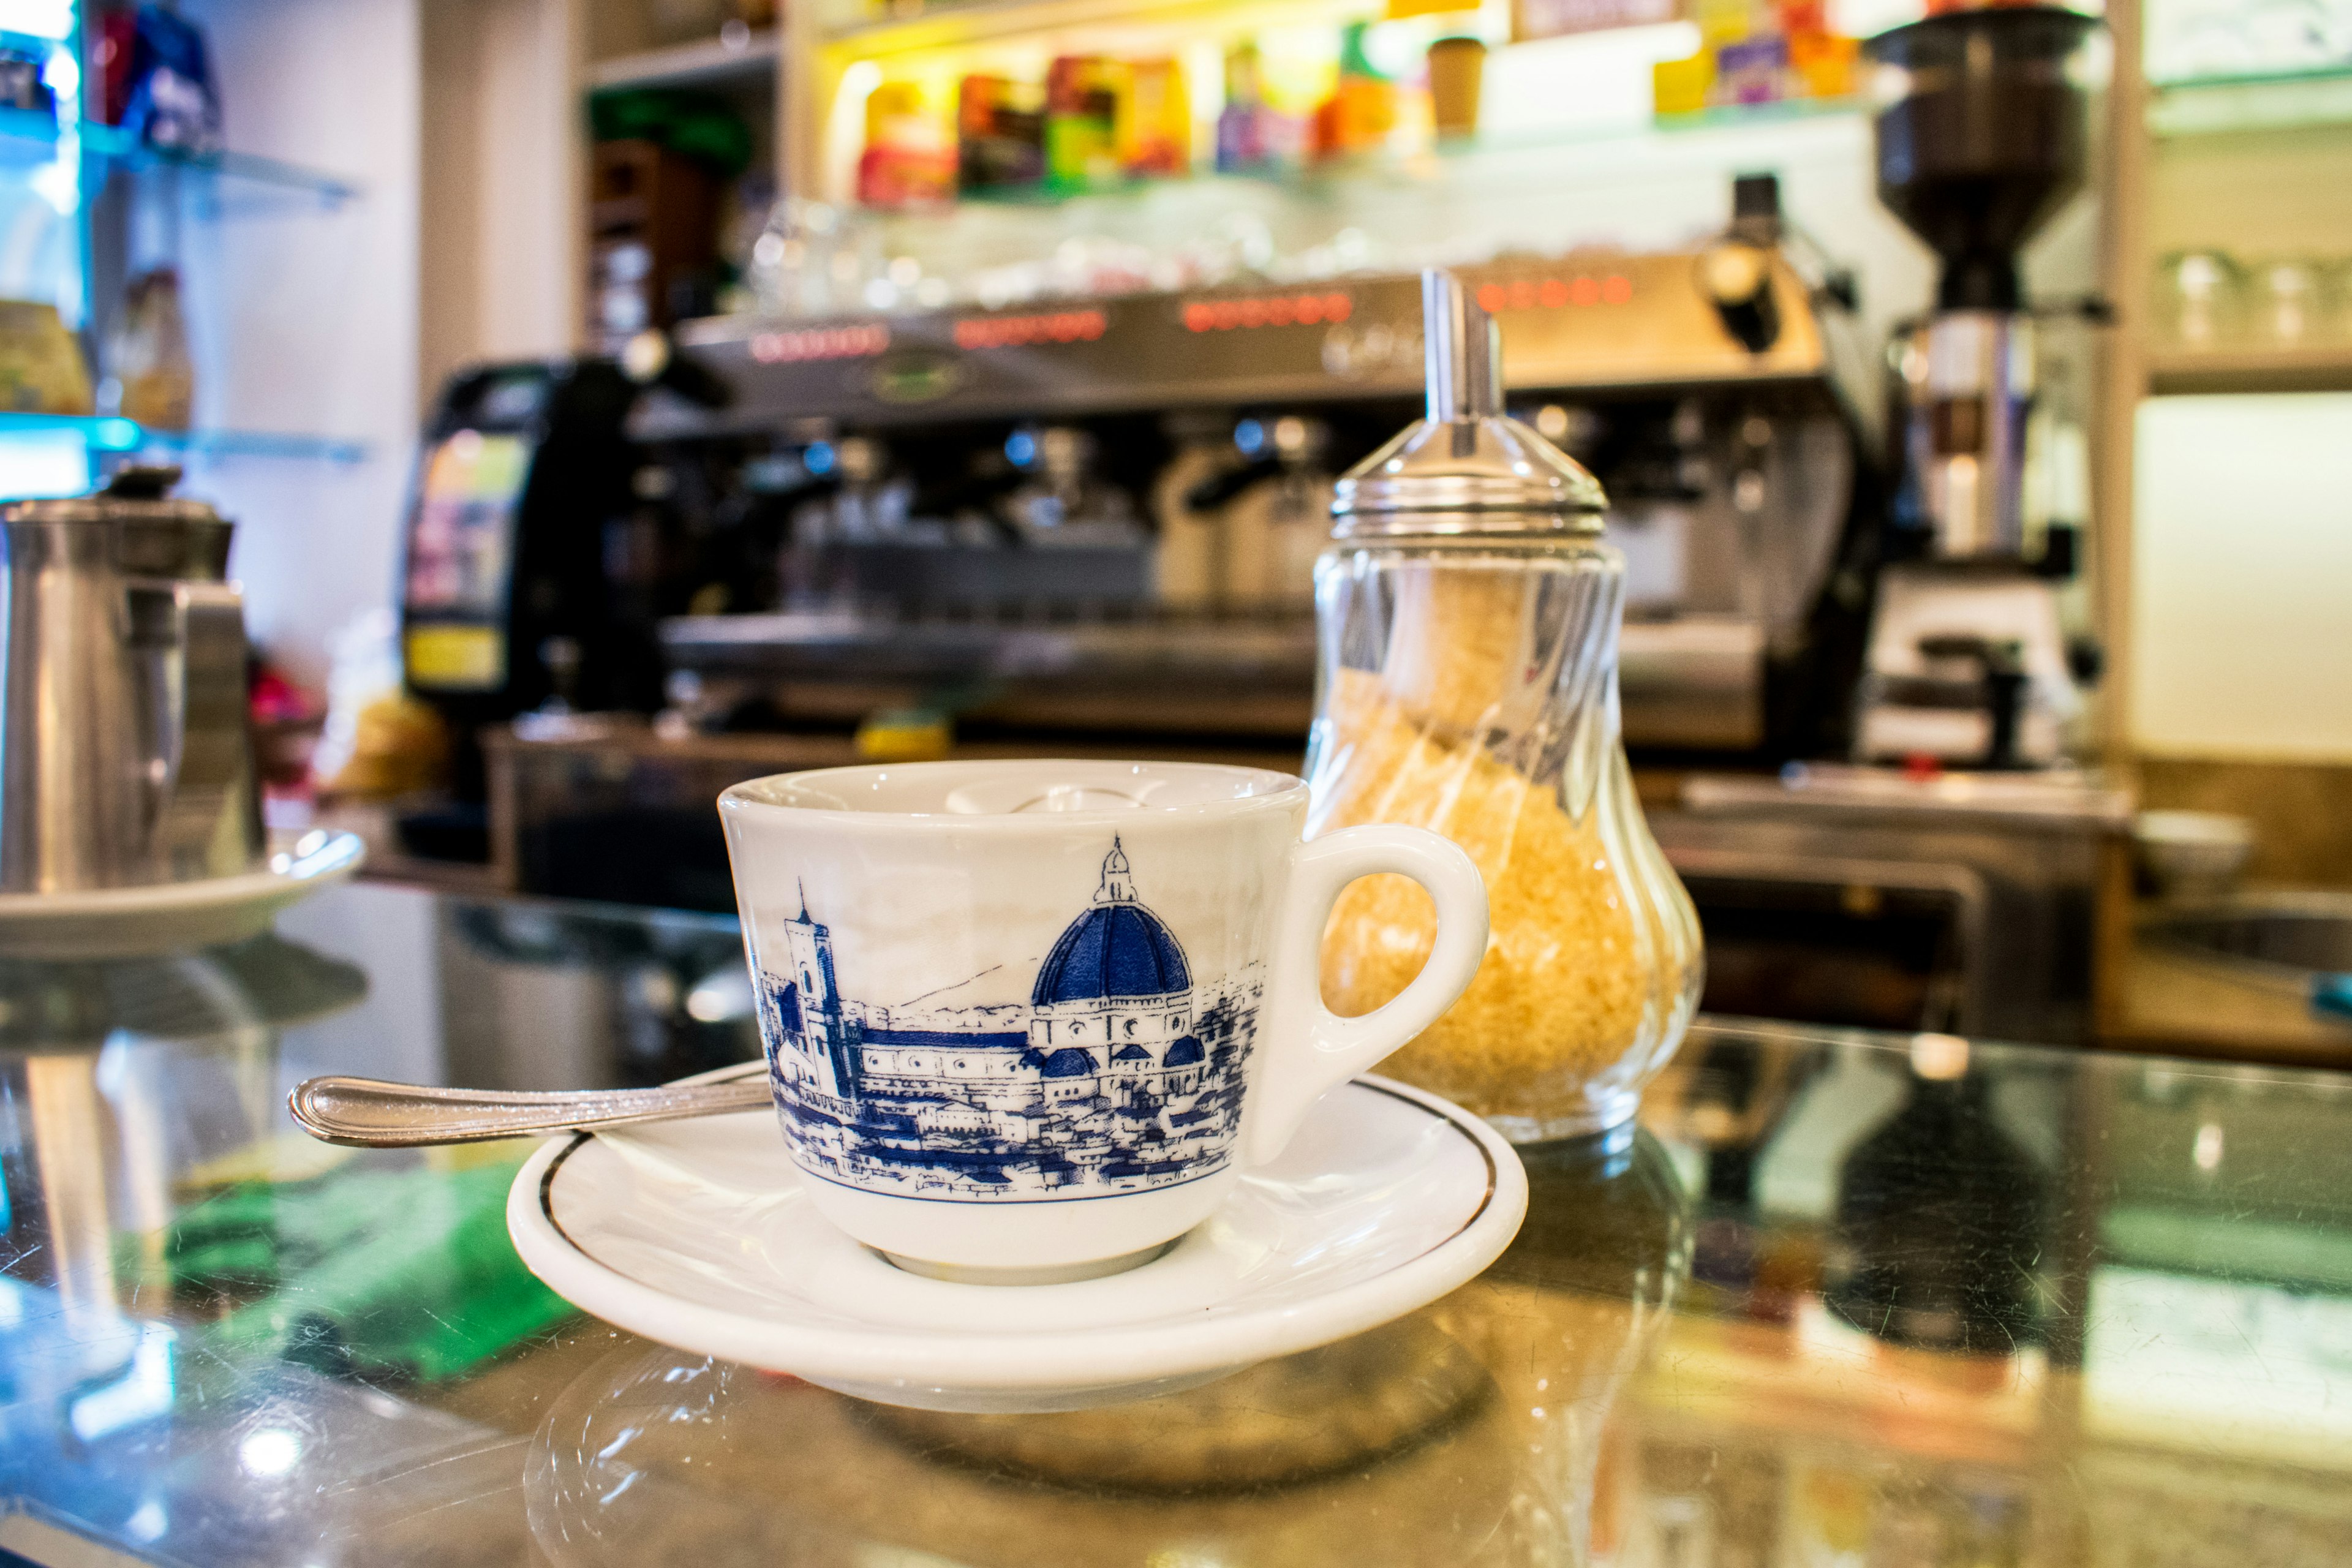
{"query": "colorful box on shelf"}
(1757, 52)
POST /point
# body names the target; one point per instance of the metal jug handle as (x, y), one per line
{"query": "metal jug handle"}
(206, 805)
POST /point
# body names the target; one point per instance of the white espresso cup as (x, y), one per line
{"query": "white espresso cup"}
(1029, 1021)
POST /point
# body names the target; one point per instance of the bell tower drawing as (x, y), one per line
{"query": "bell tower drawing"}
(811, 1005)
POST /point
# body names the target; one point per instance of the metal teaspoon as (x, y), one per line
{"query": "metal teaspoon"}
(369, 1113)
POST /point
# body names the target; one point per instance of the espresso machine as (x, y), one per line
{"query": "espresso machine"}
(1088, 527)
(1106, 512)
(1968, 664)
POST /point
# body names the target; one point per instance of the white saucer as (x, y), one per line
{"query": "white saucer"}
(158, 917)
(696, 1234)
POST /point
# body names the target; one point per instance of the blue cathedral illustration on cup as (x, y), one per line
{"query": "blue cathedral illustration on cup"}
(1122, 1074)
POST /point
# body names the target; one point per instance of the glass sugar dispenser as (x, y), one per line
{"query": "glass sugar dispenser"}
(1468, 611)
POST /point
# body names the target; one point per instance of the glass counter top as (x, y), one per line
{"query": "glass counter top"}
(1840, 1298)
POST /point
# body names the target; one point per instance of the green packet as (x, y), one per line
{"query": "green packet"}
(369, 1271)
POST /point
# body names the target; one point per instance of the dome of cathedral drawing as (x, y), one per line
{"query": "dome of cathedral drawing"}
(1123, 1073)
(1115, 949)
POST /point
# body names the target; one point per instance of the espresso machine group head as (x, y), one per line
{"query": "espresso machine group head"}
(1984, 138)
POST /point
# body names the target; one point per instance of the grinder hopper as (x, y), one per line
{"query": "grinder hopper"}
(1985, 141)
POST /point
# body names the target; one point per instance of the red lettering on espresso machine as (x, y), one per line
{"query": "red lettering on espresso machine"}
(1022, 332)
(1267, 311)
(1553, 293)
(858, 340)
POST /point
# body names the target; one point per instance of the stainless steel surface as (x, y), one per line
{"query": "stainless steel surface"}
(1588, 321)
(1732, 517)
(72, 793)
(1461, 353)
(2288, 937)
(1465, 467)
(2058, 802)
(124, 757)
(1969, 376)
(2019, 860)
(1837, 967)
(1694, 680)
(1170, 653)
(369, 1113)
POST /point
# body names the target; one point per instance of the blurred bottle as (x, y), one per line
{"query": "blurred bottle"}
(1366, 107)
(149, 376)
(1241, 125)
(2289, 308)
(1267, 123)
(110, 34)
(2201, 298)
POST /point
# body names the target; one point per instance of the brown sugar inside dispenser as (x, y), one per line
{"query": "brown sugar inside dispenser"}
(1469, 610)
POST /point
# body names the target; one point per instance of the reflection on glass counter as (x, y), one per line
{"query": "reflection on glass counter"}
(1841, 1298)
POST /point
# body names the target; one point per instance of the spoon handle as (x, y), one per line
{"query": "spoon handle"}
(369, 1113)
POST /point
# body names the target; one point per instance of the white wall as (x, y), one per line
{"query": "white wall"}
(309, 318)
(456, 117)
(2242, 568)
(501, 182)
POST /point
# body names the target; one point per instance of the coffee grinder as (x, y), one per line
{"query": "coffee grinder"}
(1985, 138)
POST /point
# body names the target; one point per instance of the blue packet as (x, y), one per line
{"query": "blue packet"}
(172, 102)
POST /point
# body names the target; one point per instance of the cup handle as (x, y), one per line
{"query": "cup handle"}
(1308, 1049)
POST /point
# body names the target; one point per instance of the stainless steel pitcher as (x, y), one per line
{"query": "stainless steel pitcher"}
(125, 756)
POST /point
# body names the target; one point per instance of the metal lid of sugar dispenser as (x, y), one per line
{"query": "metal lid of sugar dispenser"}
(1466, 468)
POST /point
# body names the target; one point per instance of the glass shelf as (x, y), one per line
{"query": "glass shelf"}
(713, 62)
(28, 137)
(2203, 105)
(1433, 161)
(113, 434)
(2250, 368)
(866, 28)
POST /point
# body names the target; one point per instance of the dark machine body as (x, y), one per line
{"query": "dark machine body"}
(529, 575)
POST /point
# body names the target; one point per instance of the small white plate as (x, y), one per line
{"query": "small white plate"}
(696, 1234)
(158, 917)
